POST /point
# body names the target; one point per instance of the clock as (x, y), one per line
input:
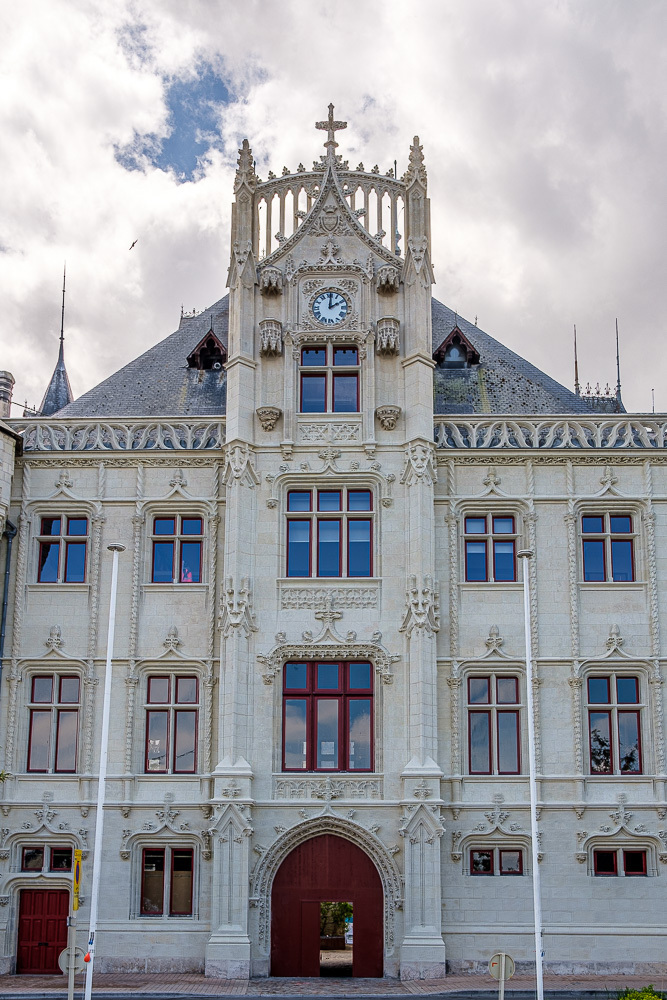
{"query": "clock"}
(330, 308)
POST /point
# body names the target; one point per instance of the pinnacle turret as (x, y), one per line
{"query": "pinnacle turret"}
(59, 392)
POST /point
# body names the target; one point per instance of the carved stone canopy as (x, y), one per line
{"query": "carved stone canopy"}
(271, 337)
(387, 338)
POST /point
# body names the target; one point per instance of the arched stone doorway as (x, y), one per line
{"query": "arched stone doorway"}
(325, 868)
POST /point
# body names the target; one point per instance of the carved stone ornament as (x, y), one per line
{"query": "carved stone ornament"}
(268, 416)
(167, 822)
(118, 435)
(236, 610)
(245, 171)
(416, 170)
(271, 337)
(423, 607)
(271, 281)
(388, 416)
(387, 337)
(387, 279)
(328, 645)
(328, 823)
(420, 465)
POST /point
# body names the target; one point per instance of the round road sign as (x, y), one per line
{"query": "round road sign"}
(496, 965)
(63, 960)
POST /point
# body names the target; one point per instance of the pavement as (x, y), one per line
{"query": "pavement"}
(111, 986)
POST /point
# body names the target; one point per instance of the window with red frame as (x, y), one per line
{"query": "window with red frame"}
(328, 716)
(496, 861)
(166, 882)
(490, 548)
(62, 549)
(172, 708)
(329, 379)
(614, 724)
(177, 549)
(608, 548)
(608, 863)
(37, 858)
(330, 532)
(494, 733)
(54, 723)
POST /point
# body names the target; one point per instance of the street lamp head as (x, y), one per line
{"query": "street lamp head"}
(525, 554)
(116, 547)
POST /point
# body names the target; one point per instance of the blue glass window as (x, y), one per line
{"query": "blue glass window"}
(298, 548)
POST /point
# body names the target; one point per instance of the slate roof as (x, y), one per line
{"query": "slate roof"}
(159, 383)
(503, 382)
(59, 391)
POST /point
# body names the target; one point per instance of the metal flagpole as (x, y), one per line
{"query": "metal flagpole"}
(526, 555)
(115, 548)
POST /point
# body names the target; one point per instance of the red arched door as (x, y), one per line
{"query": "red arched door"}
(325, 868)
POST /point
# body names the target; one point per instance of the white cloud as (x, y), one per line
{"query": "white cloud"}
(543, 128)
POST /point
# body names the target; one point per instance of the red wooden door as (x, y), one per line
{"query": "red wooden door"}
(42, 929)
(325, 868)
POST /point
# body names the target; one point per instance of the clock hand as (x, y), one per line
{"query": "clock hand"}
(330, 298)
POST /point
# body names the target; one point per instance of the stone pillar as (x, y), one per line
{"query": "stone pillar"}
(423, 950)
(228, 948)
(6, 388)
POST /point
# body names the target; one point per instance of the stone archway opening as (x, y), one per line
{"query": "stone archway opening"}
(325, 869)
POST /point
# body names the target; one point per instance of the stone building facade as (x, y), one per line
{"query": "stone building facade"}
(322, 483)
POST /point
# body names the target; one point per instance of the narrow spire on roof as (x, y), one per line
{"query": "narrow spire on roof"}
(577, 387)
(618, 368)
(59, 391)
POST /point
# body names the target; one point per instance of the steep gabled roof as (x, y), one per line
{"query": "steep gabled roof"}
(160, 383)
(503, 382)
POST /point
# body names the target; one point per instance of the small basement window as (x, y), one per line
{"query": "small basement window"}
(209, 354)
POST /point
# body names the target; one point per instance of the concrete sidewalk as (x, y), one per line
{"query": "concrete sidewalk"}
(163, 985)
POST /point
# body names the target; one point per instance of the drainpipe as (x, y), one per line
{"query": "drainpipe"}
(10, 532)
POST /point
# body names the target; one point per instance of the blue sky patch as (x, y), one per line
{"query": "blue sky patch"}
(194, 109)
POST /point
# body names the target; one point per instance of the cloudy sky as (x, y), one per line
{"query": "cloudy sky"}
(544, 130)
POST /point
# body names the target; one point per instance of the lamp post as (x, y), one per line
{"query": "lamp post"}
(114, 548)
(526, 555)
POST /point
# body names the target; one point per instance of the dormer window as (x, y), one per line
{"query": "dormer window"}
(456, 351)
(209, 354)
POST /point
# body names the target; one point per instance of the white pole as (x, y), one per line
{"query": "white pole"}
(115, 548)
(526, 555)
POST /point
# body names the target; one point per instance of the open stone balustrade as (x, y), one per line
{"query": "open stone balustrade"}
(508, 431)
(121, 435)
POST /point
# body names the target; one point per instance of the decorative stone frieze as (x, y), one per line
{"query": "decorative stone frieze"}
(388, 416)
(551, 432)
(387, 340)
(271, 337)
(356, 787)
(330, 430)
(298, 597)
(268, 416)
(119, 435)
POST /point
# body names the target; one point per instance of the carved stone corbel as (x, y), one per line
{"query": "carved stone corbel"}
(268, 416)
(387, 279)
(271, 281)
(388, 416)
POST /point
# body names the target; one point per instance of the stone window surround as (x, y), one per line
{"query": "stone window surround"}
(494, 671)
(59, 508)
(492, 507)
(148, 842)
(174, 508)
(600, 508)
(162, 668)
(612, 670)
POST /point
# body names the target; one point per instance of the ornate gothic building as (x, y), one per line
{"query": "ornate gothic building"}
(319, 694)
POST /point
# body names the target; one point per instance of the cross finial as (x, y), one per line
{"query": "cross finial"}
(330, 127)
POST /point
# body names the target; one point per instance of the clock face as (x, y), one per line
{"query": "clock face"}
(330, 308)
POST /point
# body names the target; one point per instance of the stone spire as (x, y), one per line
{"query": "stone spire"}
(59, 391)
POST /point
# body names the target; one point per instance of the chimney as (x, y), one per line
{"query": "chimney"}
(6, 386)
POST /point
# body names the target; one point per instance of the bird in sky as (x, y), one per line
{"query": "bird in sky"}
(133, 244)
